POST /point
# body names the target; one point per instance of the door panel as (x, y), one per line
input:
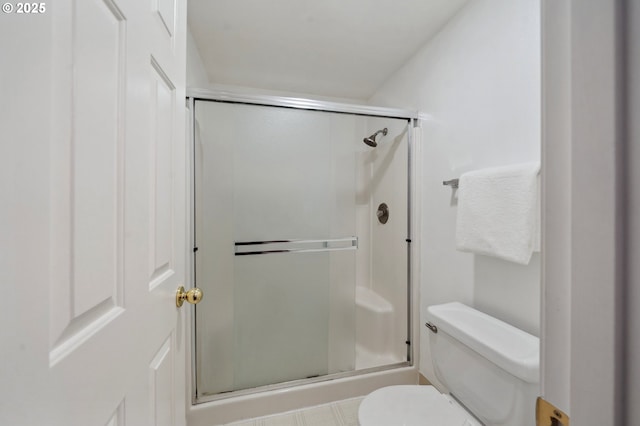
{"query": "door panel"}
(113, 223)
(163, 108)
(118, 417)
(162, 379)
(86, 197)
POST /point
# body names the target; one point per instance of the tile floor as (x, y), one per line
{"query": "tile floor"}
(341, 413)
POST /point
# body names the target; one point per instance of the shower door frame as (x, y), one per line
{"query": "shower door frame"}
(223, 96)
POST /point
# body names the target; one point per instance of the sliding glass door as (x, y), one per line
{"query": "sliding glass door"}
(276, 238)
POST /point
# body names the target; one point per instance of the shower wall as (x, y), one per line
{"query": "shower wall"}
(383, 270)
(478, 84)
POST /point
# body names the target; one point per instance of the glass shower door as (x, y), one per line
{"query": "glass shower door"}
(275, 230)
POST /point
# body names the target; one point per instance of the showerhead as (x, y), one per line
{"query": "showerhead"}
(371, 140)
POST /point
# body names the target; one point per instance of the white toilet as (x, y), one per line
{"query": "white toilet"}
(490, 368)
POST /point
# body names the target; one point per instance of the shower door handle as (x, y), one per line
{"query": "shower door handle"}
(193, 296)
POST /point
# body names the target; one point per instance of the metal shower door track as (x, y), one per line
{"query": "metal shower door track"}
(299, 103)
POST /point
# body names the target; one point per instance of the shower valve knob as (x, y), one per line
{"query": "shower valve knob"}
(193, 296)
(383, 213)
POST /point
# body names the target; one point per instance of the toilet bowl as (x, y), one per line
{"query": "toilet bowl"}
(489, 368)
(411, 405)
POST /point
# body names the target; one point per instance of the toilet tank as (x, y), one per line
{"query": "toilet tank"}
(491, 367)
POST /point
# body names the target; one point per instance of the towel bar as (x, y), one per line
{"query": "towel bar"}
(452, 183)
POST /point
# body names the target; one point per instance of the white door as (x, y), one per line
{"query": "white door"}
(99, 195)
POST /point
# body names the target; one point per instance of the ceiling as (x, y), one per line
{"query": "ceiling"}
(336, 48)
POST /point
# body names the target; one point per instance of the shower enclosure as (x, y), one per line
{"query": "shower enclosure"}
(301, 242)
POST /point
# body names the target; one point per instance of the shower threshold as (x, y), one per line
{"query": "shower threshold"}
(206, 397)
(270, 400)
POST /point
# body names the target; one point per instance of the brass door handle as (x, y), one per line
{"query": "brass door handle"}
(192, 296)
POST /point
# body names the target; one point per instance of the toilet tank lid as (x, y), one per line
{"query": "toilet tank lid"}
(510, 348)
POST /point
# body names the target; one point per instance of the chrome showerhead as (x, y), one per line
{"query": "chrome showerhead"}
(371, 140)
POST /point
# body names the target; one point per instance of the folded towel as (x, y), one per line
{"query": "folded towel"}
(498, 212)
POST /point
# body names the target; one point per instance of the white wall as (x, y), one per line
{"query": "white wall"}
(478, 81)
(196, 72)
(197, 77)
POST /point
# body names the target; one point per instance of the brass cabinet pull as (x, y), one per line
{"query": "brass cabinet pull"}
(192, 296)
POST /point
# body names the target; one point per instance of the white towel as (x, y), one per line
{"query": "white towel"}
(498, 212)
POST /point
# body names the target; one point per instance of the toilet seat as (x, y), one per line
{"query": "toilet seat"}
(412, 405)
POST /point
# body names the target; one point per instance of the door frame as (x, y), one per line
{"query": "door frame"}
(582, 353)
(584, 213)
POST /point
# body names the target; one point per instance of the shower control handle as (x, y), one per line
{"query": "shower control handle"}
(193, 296)
(383, 213)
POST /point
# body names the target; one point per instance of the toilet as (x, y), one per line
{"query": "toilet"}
(490, 369)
